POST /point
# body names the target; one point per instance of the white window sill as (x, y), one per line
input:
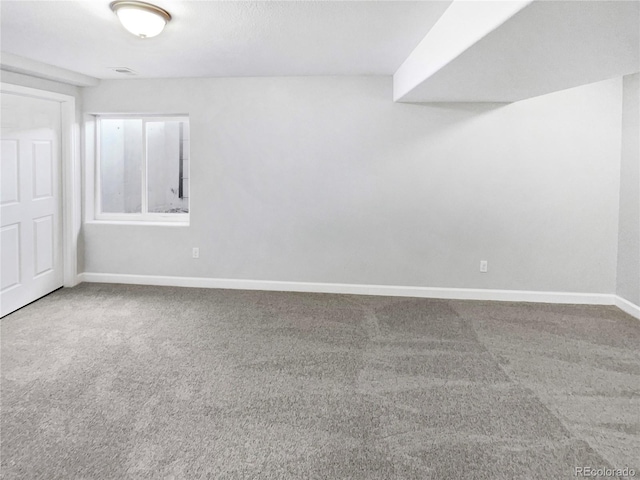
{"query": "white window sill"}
(139, 223)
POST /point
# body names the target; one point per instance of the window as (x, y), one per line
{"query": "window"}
(142, 168)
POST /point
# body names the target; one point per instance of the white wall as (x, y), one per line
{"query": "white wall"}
(325, 179)
(628, 285)
(41, 84)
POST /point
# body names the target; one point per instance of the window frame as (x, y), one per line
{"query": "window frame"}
(144, 217)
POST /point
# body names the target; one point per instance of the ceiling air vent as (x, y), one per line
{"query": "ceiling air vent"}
(123, 70)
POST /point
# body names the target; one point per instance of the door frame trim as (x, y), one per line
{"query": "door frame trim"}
(71, 178)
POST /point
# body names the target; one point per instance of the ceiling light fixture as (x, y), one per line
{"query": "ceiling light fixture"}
(142, 19)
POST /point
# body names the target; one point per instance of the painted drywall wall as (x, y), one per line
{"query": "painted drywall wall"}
(57, 87)
(40, 83)
(325, 179)
(460, 26)
(628, 284)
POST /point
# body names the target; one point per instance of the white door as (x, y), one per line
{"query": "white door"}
(30, 206)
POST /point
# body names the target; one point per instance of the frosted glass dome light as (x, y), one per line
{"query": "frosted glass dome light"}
(142, 19)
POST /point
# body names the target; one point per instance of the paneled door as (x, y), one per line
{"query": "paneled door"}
(30, 206)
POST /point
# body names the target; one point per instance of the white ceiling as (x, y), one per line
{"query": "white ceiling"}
(545, 47)
(215, 38)
(523, 48)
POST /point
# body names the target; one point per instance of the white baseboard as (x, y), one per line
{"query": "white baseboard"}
(628, 307)
(383, 290)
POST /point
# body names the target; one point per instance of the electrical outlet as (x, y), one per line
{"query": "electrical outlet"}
(484, 265)
(196, 252)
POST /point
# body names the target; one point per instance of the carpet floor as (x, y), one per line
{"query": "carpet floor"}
(135, 382)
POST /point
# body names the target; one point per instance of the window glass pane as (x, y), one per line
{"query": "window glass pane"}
(168, 166)
(121, 165)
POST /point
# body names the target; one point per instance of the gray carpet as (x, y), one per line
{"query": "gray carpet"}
(119, 382)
